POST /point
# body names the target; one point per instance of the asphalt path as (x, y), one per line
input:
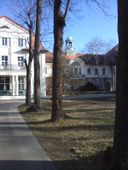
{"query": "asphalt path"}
(19, 149)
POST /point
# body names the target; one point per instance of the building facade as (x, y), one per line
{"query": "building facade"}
(81, 69)
(87, 70)
(14, 44)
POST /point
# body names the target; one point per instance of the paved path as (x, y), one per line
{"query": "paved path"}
(19, 149)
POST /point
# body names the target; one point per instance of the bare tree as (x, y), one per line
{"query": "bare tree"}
(95, 46)
(29, 64)
(99, 46)
(37, 102)
(25, 11)
(57, 83)
(121, 116)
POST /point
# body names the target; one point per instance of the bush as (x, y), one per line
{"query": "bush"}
(89, 87)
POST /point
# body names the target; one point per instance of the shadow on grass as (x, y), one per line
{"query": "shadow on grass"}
(78, 127)
(89, 110)
(101, 161)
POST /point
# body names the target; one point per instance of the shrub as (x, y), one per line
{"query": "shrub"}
(89, 87)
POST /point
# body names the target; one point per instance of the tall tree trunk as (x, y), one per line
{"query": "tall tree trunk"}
(121, 117)
(28, 82)
(57, 82)
(37, 102)
(28, 85)
(57, 112)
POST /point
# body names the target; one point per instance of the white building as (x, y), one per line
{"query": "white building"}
(93, 69)
(98, 70)
(13, 40)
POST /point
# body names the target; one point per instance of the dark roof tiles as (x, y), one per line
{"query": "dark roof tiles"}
(93, 59)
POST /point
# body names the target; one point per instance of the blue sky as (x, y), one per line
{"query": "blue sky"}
(94, 23)
(84, 24)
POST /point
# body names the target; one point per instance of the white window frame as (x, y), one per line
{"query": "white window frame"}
(5, 84)
(4, 60)
(21, 83)
(89, 71)
(20, 60)
(21, 42)
(5, 41)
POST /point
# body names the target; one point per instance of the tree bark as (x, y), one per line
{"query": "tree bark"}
(37, 102)
(57, 112)
(28, 67)
(121, 116)
(57, 82)
(28, 85)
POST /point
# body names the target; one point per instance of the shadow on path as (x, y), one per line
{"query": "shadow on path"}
(26, 165)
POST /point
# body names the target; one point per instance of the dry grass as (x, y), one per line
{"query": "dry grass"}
(87, 132)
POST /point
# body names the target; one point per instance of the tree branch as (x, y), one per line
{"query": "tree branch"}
(66, 10)
(101, 6)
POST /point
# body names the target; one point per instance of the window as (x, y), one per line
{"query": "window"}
(79, 71)
(46, 71)
(21, 83)
(103, 71)
(21, 61)
(4, 60)
(88, 71)
(4, 83)
(21, 42)
(76, 71)
(96, 71)
(5, 41)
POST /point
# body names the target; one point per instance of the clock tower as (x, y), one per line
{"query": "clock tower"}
(69, 50)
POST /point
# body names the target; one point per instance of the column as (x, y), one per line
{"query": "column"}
(13, 85)
(16, 86)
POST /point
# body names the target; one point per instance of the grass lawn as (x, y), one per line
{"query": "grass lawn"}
(78, 143)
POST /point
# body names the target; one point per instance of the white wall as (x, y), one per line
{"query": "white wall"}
(13, 31)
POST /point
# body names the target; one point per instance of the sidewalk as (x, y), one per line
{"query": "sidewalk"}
(19, 149)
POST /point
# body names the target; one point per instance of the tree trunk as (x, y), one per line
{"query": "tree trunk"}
(28, 85)
(37, 102)
(28, 67)
(57, 88)
(121, 117)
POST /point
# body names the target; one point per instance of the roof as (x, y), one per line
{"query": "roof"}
(93, 59)
(42, 49)
(14, 22)
(69, 39)
(68, 57)
(49, 57)
(111, 56)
